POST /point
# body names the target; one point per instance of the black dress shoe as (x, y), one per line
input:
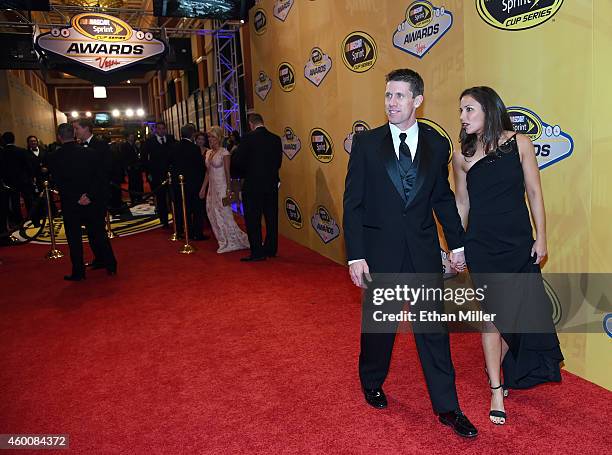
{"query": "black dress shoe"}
(95, 265)
(111, 271)
(375, 398)
(459, 422)
(253, 259)
(74, 277)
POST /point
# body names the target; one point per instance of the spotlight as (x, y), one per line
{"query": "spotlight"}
(140, 112)
(74, 114)
(99, 92)
(129, 112)
(87, 114)
(115, 112)
(129, 81)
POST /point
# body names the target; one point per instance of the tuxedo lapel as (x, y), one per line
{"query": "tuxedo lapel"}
(422, 163)
(387, 152)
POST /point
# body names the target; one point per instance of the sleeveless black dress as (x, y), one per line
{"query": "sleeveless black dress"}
(498, 246)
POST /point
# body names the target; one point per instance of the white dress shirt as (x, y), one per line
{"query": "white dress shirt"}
(412, 140)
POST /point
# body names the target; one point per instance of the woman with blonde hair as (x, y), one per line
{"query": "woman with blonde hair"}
(217, 182)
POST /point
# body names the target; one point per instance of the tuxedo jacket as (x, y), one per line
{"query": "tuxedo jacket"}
(78, 170)
(37, 163)
(186, 160)
(16, 168)
(157, 157)
(258, 160)
(381, 224)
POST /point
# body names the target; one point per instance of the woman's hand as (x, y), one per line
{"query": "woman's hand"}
(539, 250)
(202, 192)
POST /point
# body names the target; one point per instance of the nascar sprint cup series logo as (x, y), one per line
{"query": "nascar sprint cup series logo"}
(551, 143)
(424, 25)
(517, 15)
(286, 76)
(317, 67)
(324, 224)
(282, 8)
(291, 143)
(359, 52)
(263, 85)
(260, 21)
(294, 214)
(321, 145)
(358, 127)
(442, 132)
(100, 41)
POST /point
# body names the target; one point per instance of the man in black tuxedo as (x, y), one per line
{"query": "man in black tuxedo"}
(258, 160)
(186, 160)
(18, 176)
(397, 177)
(101, 152)
(82, 182)
(133, 160)
(37, 158)
(157, 158)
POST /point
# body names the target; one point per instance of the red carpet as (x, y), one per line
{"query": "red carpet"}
(204, 354)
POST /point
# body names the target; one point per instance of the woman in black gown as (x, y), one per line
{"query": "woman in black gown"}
(495, 169)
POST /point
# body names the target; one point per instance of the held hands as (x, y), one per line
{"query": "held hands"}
(357, 271)
(84, 199)
(457, 261)
(539, 250)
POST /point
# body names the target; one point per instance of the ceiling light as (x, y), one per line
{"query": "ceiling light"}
(99, 92)
(115, 112)
(129, 112)
(87, 114)
(140, 112)
(74, 114)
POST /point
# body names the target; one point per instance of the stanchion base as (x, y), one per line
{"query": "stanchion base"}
(173, 237)
(54, 254)
(111, 235)
(187, 249)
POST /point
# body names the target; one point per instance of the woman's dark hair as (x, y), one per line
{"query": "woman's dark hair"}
(496, 121)
(198, 134)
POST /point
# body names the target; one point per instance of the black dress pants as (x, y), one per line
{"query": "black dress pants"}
(256, 205)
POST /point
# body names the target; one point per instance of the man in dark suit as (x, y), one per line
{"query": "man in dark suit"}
(157, 160)
(133, 160)
(186, 160)
(397, 177)
(18, 176)
(258, 160)
(81, 179)
(100, 149)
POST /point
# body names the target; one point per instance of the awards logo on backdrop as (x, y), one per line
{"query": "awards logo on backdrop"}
(260, 21)
(359, 52)
(282, 8)
(442, 133)
(286, 76)
(321, 145)
(324, 224)
(263, 85)
(515, 15)
(424, 25)
(100, 41)
(317, 67)
(358, 127)
(291, 143)
(550, 142)
(294, 214)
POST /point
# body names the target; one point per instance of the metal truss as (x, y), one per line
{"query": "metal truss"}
(226, 76)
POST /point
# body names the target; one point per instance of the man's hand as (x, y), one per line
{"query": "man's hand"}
(458, 261)
(358, 270)
(84, 199)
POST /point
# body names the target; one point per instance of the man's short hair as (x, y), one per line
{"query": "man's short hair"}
(255, 118)
(407, 75)
(188, 130)
(85, 123)
(160, 123)
(30, 137)
(8, 138)
(65, 131)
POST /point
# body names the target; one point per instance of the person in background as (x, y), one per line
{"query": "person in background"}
(37, 157)
(156, 154)
(18, 175)
(215, 189)
(133, 159)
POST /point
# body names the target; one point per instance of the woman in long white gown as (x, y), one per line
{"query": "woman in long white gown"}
(229, 236)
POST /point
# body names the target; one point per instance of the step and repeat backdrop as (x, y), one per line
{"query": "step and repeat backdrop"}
(319, 76)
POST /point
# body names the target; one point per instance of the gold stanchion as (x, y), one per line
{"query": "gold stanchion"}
(53, 253)
(109, 231)
(186, 248)
(174, 236)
